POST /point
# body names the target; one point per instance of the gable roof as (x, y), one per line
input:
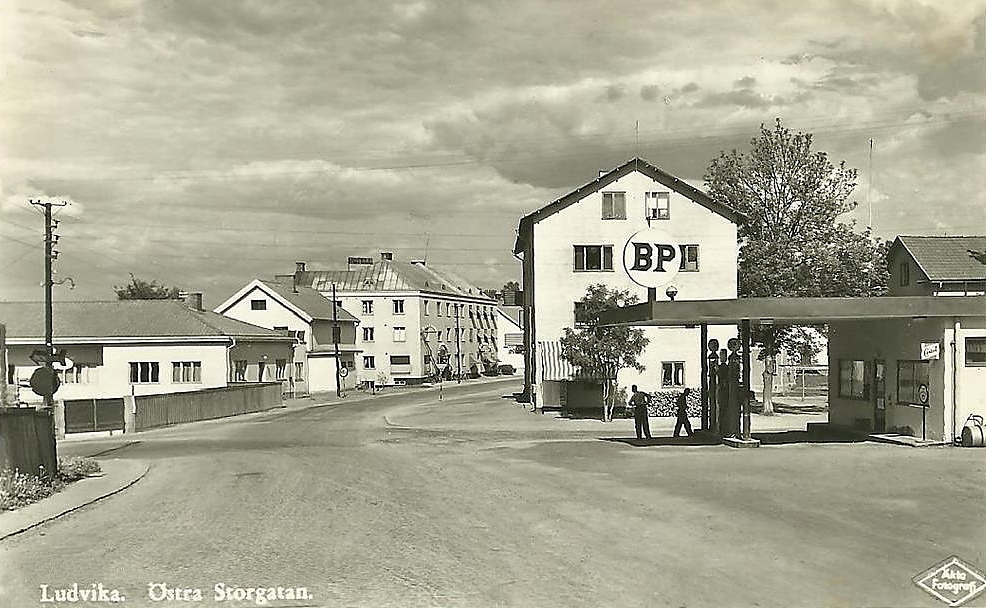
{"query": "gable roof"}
(634, 164)
(389, 275)
(125, 319)
(513, 313)
(305, 302)
(947, 258)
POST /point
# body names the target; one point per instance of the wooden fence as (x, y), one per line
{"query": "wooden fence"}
(27, 441)
(176, 408)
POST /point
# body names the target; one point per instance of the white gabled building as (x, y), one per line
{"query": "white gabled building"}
(578, 240)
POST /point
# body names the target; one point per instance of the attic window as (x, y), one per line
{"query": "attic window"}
(905, 274)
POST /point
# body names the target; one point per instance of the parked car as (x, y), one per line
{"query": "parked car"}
(506, 369)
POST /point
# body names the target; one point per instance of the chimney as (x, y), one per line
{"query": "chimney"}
(192, 299)
(387, 256)
(299, 267)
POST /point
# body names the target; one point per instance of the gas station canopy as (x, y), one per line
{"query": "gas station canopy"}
(793, 311)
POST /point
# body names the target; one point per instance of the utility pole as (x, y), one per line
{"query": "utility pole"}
(50, 254)
(458, 352)
(335, 342)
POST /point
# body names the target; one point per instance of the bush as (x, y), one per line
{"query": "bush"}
(18, 489)
(77, 467)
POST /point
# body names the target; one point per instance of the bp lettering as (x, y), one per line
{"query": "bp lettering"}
(652, 256)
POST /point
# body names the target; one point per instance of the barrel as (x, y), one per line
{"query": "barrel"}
(972, 436)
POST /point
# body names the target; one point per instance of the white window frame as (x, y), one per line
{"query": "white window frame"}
(187, 372)
(369, 362)
(400, 333)
(657, 205)
(368, 334)
(153, 369)
(367, 306)
(398, 306)
(677, 369)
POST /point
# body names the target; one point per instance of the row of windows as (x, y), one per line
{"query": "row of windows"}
(470, 334)
(370, 361)
(600, 258)
(149, 372)
(657, 206)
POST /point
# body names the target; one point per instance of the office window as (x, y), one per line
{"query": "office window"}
(77, 374)
(448, 308)
(689, 258)
(672, 374)
(368, 334)
(593, 257)
(905, 274)
(448, 334)
(280, 369)
(185, 372)
(400, 359)
(239, 371)
(425, 306)
(614, 206)
(853, 381)
(144, 372)
(398, 307)
(975, 352)
(258, 304)
(299, 371)
(400, 334)
(657, 205)
(369, 362)
(910, 376)
(367, 307)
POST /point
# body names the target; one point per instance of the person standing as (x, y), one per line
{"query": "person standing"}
(683, 414)
(641, 422)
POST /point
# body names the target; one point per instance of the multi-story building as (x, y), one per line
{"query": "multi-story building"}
(310, 319)
(414, 321)
(580, 240)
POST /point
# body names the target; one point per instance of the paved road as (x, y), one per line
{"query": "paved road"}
(404, 501)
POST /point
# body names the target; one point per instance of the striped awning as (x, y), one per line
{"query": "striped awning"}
(555, 367)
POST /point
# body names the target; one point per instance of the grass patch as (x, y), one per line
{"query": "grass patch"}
(18, 489)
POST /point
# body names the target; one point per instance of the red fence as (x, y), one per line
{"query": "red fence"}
(27, 441)
(177, 408)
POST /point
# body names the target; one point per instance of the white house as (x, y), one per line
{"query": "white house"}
(580, 239)
(510, 336)
(414, 321)
(141, 347)
(309, 318)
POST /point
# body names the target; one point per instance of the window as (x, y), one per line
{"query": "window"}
(368, 334)
(400, 359)
(299, 371)
(672, 373)
(398, 307)
(367, 307)
(239, 371)
(470, 334)
(657, 205)
(614, 206)
(853, 381)
(144, 372)
(975, 352)
(261, 368)
(186, 372)
(369, 362)
(438, 308)
(280, 328)
(77, 374)
(593, 257)
(689, 258)
(905, 274)
(911, 375)
(280, 369)
(258, 304)
(400, 334)
(448, 334)
(425, 304)
(427, 359)
(447, 309)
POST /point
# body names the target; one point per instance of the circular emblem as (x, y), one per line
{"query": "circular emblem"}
(44, 381)
(651, 258)
(343, 372)
(923, 394)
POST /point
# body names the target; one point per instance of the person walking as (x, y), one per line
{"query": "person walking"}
(639, 402)
(683, 413)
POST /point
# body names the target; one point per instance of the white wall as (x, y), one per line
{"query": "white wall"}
(558, 286)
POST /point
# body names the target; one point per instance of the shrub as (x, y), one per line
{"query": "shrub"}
(77, 467)
(18, 489)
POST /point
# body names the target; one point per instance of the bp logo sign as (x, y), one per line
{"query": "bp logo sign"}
(651, 258)
(952, 581)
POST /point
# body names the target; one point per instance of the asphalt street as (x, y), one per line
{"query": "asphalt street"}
(403, 500)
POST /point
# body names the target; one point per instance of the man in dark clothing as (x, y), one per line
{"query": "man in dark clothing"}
(683, 414)
(639, 402)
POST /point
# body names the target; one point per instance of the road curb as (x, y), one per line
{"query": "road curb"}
(44, 511)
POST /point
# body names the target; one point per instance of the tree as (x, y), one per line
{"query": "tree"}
(139, 289)
(603, 351)
(793, 243)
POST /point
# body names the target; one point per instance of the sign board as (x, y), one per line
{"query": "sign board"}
(343, 372)
(45, 382)
(652, 258)
(923, 394)
(930, 350)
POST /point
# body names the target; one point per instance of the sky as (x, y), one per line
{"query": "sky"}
(203, 144)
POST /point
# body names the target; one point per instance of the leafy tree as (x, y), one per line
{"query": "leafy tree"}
(794, 243)
(139, 289)
(603, 351)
